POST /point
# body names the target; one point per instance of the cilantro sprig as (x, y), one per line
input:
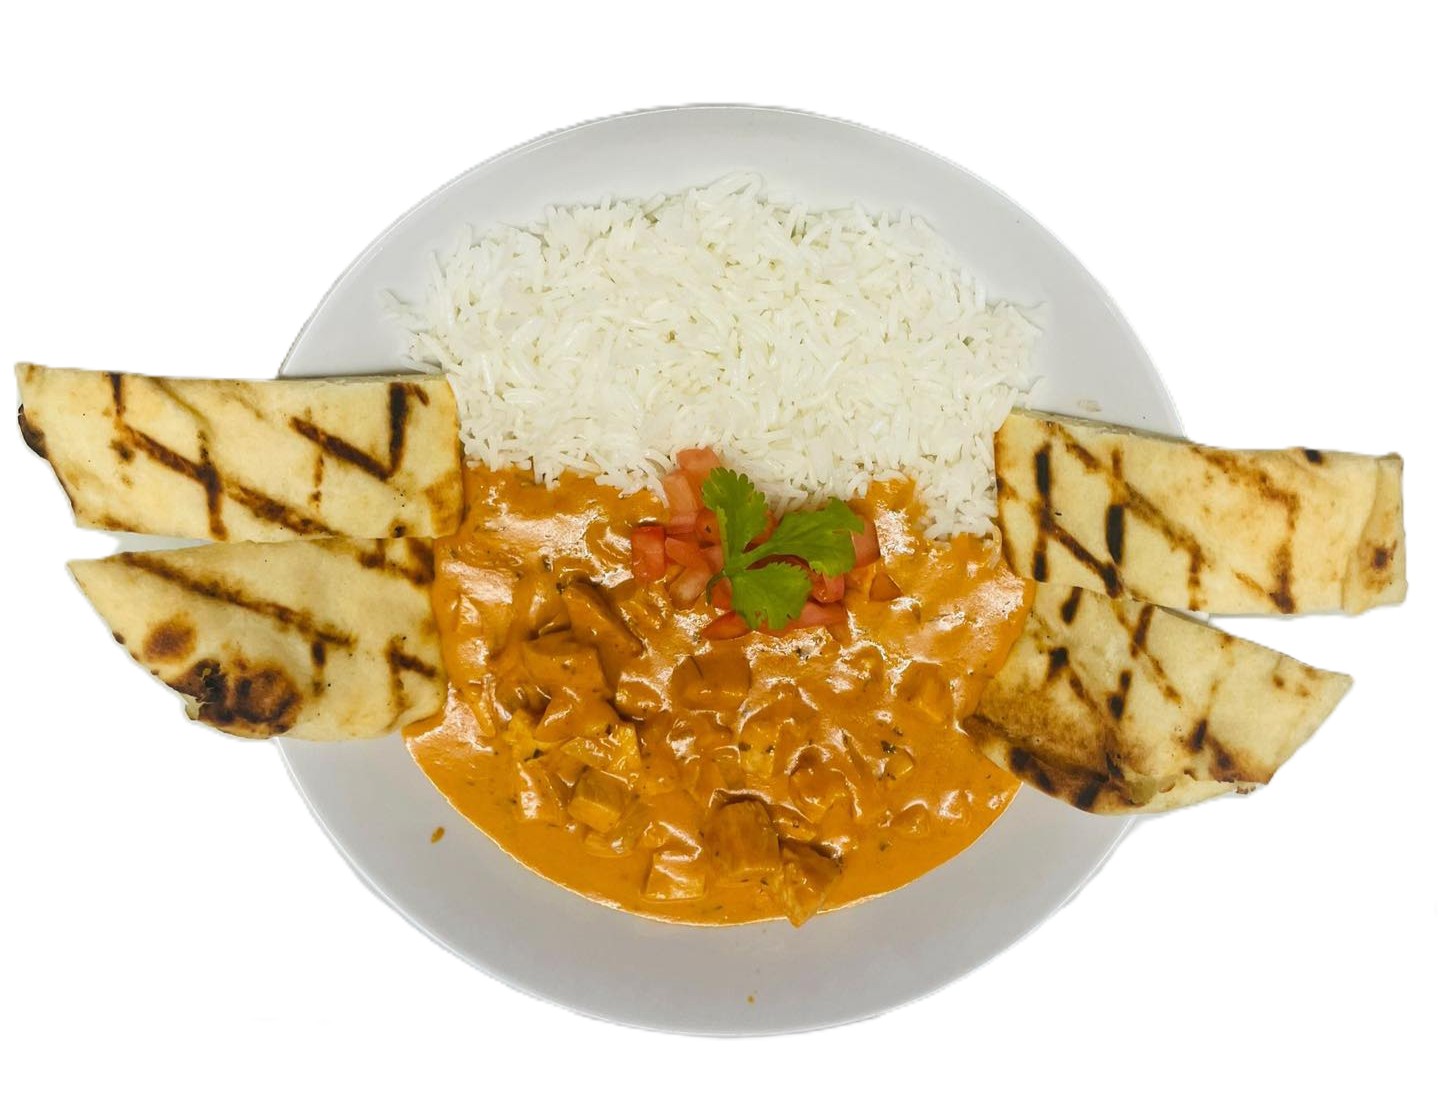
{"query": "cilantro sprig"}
(772, 595)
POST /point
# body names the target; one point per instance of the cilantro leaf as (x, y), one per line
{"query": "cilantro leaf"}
(771, 595)
(821, 537)
(738, 506)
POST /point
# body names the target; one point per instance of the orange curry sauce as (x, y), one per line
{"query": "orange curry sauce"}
(599, 740)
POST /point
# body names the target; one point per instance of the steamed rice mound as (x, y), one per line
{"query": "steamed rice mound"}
(815, 351)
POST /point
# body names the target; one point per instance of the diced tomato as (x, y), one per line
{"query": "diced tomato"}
(682, 492)
(707, 526)
(714, 558)
(686, 589)
(727, 626)
(867, 544)
(687, 553)
(647, 552)
(681, 524)
(721, 594)
(883, 587)
(827, 588)
(698, 462)
(815, 615)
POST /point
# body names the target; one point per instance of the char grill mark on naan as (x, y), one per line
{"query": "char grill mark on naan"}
(264, 460)
(1120, 707)
(1186, 526)
(330, 639)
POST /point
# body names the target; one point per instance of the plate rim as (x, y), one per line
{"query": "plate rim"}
(374, 246)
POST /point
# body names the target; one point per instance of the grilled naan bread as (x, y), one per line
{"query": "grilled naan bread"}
(1119, 707)
(332, 639)
(1187, 526)
(264, 460)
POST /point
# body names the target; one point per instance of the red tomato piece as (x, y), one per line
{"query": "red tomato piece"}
(686, 589)
(721, 594)
(714, 558)
(681, 525)
(687, 553)
(827, 588)
(707, 526)
(682, 493)
(815, 615)
(867, 544)
(698, 462)
(647, 552)
(728, 626)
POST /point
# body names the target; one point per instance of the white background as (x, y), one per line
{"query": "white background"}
(1255, 188)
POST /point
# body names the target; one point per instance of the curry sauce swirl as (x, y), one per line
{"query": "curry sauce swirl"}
(601, 741)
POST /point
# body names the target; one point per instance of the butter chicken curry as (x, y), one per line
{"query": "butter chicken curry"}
(614, 730)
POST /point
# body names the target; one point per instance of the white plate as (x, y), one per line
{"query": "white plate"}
(471, 897)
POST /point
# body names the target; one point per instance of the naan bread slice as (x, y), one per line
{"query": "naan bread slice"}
(1119, 707)
(1244, 532)
(332, 639)
(259, 460)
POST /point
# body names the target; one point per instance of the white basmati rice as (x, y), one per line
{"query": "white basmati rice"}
(814, 351)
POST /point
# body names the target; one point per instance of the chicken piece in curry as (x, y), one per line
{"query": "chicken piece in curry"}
(599, 738)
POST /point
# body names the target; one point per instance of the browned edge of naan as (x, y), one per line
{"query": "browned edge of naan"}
(1160, 519)
(1375, 573)
(1119, 707)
